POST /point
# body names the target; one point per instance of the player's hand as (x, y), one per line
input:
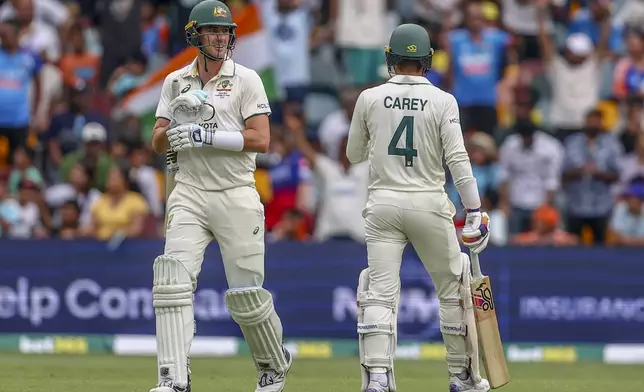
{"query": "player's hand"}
(189, 107)
(476, 232)
(189, 135)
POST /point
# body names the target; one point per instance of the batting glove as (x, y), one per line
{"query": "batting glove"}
(190, 107)
(189, 135)
(476, 232)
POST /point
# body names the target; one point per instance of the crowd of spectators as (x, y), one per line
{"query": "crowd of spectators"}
(551, 95)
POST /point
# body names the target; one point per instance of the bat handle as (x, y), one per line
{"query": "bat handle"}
(476, 266)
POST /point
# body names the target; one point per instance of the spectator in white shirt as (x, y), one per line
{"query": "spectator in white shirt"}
(343, 188)
(530, 163)
(79, 190)
(360, 32)
(289, 23)
(28, 223)
(36, 35)
(627, 221)
(632, 167)
(52, 12)
(145, 176)
(336, 125)
(575, 76)
(9, 209)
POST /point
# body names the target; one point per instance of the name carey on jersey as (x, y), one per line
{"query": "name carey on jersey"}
(405, 103)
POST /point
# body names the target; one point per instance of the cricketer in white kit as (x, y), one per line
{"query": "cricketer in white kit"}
(405, 128)
(217, 124)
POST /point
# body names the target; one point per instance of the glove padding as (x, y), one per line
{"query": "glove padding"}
(476, 232)
(189, 135)
(190, 107)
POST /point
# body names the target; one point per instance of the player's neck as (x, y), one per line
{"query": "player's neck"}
(208, 70)
(410, 73)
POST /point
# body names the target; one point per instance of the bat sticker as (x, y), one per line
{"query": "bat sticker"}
(483, 298)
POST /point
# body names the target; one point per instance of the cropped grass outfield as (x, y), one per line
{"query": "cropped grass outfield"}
(106, 373)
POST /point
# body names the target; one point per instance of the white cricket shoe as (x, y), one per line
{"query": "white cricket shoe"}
(162, 389)
(467, 385)
(167, 385)
(378, 383)
(271, 381)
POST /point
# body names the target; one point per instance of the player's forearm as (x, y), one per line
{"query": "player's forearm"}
(160, 140)
(255, 141)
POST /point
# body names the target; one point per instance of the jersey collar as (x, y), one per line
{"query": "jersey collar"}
(228, 69)
(408, 79)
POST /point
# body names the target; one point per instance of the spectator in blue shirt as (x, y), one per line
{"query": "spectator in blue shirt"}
(588, 21)
(18, 70)
(477, 57)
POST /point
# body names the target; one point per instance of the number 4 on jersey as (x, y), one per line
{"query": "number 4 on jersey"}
(406, 125)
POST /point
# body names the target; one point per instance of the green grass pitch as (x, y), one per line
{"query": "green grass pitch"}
(98, 373)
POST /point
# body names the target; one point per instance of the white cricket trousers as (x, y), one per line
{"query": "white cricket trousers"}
(233, 217)
(392, 219)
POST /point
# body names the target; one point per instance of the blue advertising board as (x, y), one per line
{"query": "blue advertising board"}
(542, 294)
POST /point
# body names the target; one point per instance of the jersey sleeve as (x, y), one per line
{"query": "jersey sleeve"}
(358, 142)
(254, 100)
(163, 108)
(456, 155)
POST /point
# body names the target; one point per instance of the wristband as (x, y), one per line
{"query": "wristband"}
(230, 141)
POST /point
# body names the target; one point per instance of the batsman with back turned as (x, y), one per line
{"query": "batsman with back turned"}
(213, 114)
(405, 128)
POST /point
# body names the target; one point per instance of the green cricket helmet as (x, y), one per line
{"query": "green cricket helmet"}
(210, 13)
(409, 42)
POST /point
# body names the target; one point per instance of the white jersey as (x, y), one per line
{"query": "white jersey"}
(237, 94)
(404, 128)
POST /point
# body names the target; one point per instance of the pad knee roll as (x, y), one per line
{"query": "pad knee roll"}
(172, 299)
(377, 331)
(252, 308)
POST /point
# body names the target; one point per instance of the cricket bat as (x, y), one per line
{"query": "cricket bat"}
(172, 166)
(487, 326)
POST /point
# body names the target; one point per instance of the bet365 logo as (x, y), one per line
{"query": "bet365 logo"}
(483, 297)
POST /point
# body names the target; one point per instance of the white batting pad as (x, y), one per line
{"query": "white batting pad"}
(173, 305)
(470, 320)
(377, 331)
(252, 308)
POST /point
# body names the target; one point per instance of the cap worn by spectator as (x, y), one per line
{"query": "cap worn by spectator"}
(580, 44)
(94, 132)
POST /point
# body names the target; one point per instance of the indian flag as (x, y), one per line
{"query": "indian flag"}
(251, 50)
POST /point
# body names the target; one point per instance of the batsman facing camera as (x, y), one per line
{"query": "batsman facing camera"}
(213, 113)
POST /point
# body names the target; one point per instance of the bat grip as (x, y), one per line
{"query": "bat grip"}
(172, 166)
(476, 266)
